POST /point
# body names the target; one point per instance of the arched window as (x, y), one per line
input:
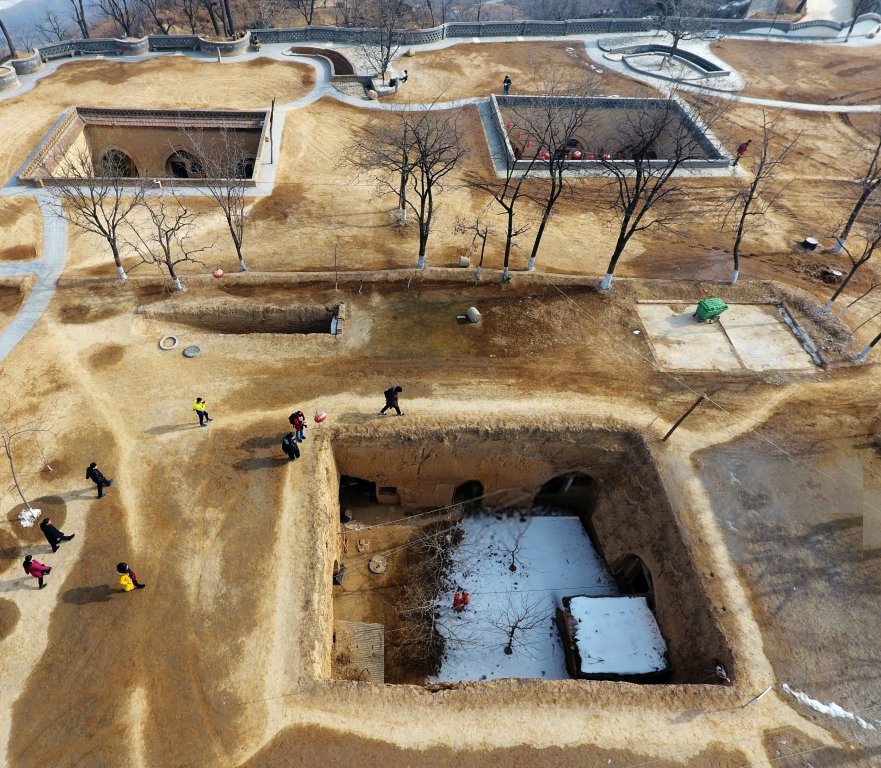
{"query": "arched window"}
(117, 164)
(245, 168)
(182, 165)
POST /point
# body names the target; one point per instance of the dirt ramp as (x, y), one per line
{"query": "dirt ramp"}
(243, 318)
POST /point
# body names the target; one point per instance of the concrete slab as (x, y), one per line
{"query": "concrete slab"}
(763, 340)
(680, 342)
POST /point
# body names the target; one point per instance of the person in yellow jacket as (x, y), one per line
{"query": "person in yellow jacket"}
(199, 407)
(128, 579)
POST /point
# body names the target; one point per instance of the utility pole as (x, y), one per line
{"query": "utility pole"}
(685, 415)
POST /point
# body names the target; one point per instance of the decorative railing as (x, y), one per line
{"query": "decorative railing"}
(455, 29)
(8, 78)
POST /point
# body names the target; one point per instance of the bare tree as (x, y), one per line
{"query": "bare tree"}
(14, 430)
(78, 9)
(190, 11)
(506, 193)
(98, 200)
(551, 126)
(512, 550)
(479, 230)
(351, 13)
(645, 166)
(414, 151)
(871, 289)
(9, 44)
(53, 28)
(125, 13)
(554, 10)
(684, 19)
(230, 23)
(166, 241)
(389, 19)
(747, 209)
(306, 8)
(869, 181)
(522, 621)
(214, 10)
(870, 240)
(224, 165)
(439, 10)
(161, 13)
(267, 14)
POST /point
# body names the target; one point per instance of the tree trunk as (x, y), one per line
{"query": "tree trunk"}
(841, 287)
(854, 214)
(508, 243)
(606, 283)
(238, 246)
(9, 43)
(736, 253)
(872, 343)
(538, 235)
(15, 476)
(117, 260)
(213, 17)
(232, 26)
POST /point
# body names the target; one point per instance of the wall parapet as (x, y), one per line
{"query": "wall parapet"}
(28, 64)
(8, 78)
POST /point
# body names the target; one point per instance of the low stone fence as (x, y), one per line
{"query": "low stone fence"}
(226, 48)
(28, 64)
(715, 155)
(340, 66)
(8, 78)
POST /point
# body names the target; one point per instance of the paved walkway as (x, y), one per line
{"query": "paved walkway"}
(49, 267)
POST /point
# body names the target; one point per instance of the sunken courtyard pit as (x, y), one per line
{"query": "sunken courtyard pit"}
(475, 555)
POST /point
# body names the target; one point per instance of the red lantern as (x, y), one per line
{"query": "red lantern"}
(466, 599)
(457, 601)
(590, 157)
(528, 143)
(508, 126)
(576, 155)
(320, 416)
(607, 157)
(218, 273)
(519, 134)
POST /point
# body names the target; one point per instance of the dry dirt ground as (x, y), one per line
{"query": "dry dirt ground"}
(219, 661)
(815, 74)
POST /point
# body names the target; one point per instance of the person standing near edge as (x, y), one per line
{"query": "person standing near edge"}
(741, 150)
(52, 534)
(128, 579)
(391, 400)
(97, 477)
(199, 407)
(506, 84)
(35, 569)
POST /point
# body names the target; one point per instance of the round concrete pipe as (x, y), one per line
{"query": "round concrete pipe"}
(473, 315)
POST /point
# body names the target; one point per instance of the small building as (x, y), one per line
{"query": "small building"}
(612, 638)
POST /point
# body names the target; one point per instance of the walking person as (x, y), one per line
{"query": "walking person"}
(128, 579)
(290, 447)
(391, 400)
(35, 569)
(200, 408)
(97, 477)
(506, 84)
(741, 150)
(298, 422)
(52, 534)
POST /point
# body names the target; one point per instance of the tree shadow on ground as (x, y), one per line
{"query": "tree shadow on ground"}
(267, 462)
(166, 429)
(100, 593)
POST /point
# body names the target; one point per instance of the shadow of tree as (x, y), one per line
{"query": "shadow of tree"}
(266, 462)
(166, 429)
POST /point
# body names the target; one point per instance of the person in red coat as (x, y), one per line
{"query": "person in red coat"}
(35, 569)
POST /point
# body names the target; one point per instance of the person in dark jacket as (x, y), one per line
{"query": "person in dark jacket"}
(128, 579)
(52, 534)
(35, 569)
(290, 447)
(391, 400)
(506, 84)
(97, 477)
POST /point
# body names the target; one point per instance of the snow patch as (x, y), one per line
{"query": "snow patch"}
(27, 517)
(831, 709)
(555, 559)
(617, 635)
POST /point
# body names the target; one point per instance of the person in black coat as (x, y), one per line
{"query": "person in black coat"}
(97, 477)
(391, 400)
(52, 534)
(290, 447)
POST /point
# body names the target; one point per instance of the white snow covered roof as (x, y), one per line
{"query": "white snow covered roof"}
(617, 636)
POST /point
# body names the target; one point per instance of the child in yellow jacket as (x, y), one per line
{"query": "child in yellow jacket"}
(128, 579)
